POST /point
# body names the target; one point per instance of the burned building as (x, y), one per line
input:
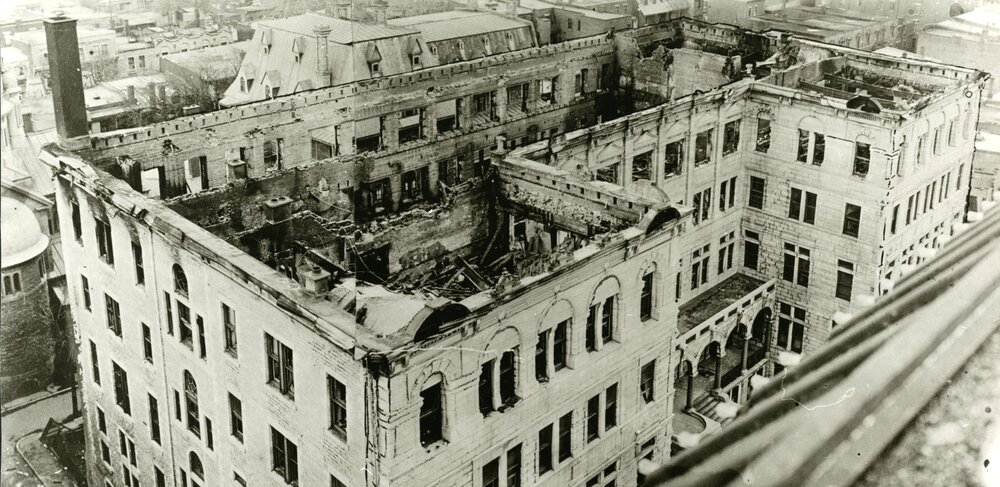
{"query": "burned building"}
(460, 276)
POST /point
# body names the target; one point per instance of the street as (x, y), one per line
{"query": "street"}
(19, 423)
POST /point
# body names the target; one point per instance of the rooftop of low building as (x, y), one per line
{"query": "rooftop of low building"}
(817, 23)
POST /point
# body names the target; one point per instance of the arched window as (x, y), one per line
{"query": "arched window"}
(196, 467)
(191, 401)
(180, 280)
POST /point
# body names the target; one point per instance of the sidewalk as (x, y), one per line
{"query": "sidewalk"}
(23, 402)
(42, 462)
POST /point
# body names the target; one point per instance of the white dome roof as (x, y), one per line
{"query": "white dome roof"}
(21, 238)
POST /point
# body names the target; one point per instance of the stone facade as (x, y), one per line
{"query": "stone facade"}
(289, 321)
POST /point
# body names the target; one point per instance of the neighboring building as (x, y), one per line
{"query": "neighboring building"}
(557, 22)
(142, 53)
(27, 337)
(29, 17)
(204, 73)
(920, 12)
(649, 12)
(328, 51)
(735, 12)
(971, 39)
(97, 47)
(360, 285)
(36, 336)
(844, 27)
(14, 67)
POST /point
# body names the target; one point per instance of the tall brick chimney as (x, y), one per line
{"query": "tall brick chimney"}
(66, 82)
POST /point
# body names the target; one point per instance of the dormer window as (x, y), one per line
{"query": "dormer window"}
(298, 48)
(416, 61)
(267, 39)
(243, 84)
(374, 58)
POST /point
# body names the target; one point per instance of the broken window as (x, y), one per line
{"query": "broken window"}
(545, 449)
(147, 343)
(646, 297)
(547, 89)
(321, 150)
(484, 103)
(727, 244)
(514, 466)
(377, 196)
(191, 404)
(338, 406)
(113, 313)
(105, 245)
(85, 284)
(845, 280)
(95, 363)
(797, 211)
(757, 187)
(608, 173)
(699, 266)
(646, 382)
(852, 219)
(140, 271)
(541, 357)
(508, 377)
(791, 327)
(796, 265)
(673, 160)
(411, 125)
(593, 424)
(486, 388)
(284, 457)
(560, 345)
(280, 374)
(604, 80)
(368, 134)
(450, 170)
(731, 137)
(566, 436)
(196, 174)
(77, 223)
(608, 319)
(702, 201)
(229, 329)
(431, 415)
(121, 386)
(446, 113)
(517, 97)
(591, 339)
(727, 194)
(236, 418)
(491, 473)
(703, 148)
(751, 249)
(415, 185)
(763, 135)
(862, 157)
(611, 407)
(642, 165)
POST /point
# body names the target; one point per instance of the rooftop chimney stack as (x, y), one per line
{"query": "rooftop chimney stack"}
(322, 32)
(343, 10)
(66, 82)
(152, 94)
(381, 9)
(512, 6)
